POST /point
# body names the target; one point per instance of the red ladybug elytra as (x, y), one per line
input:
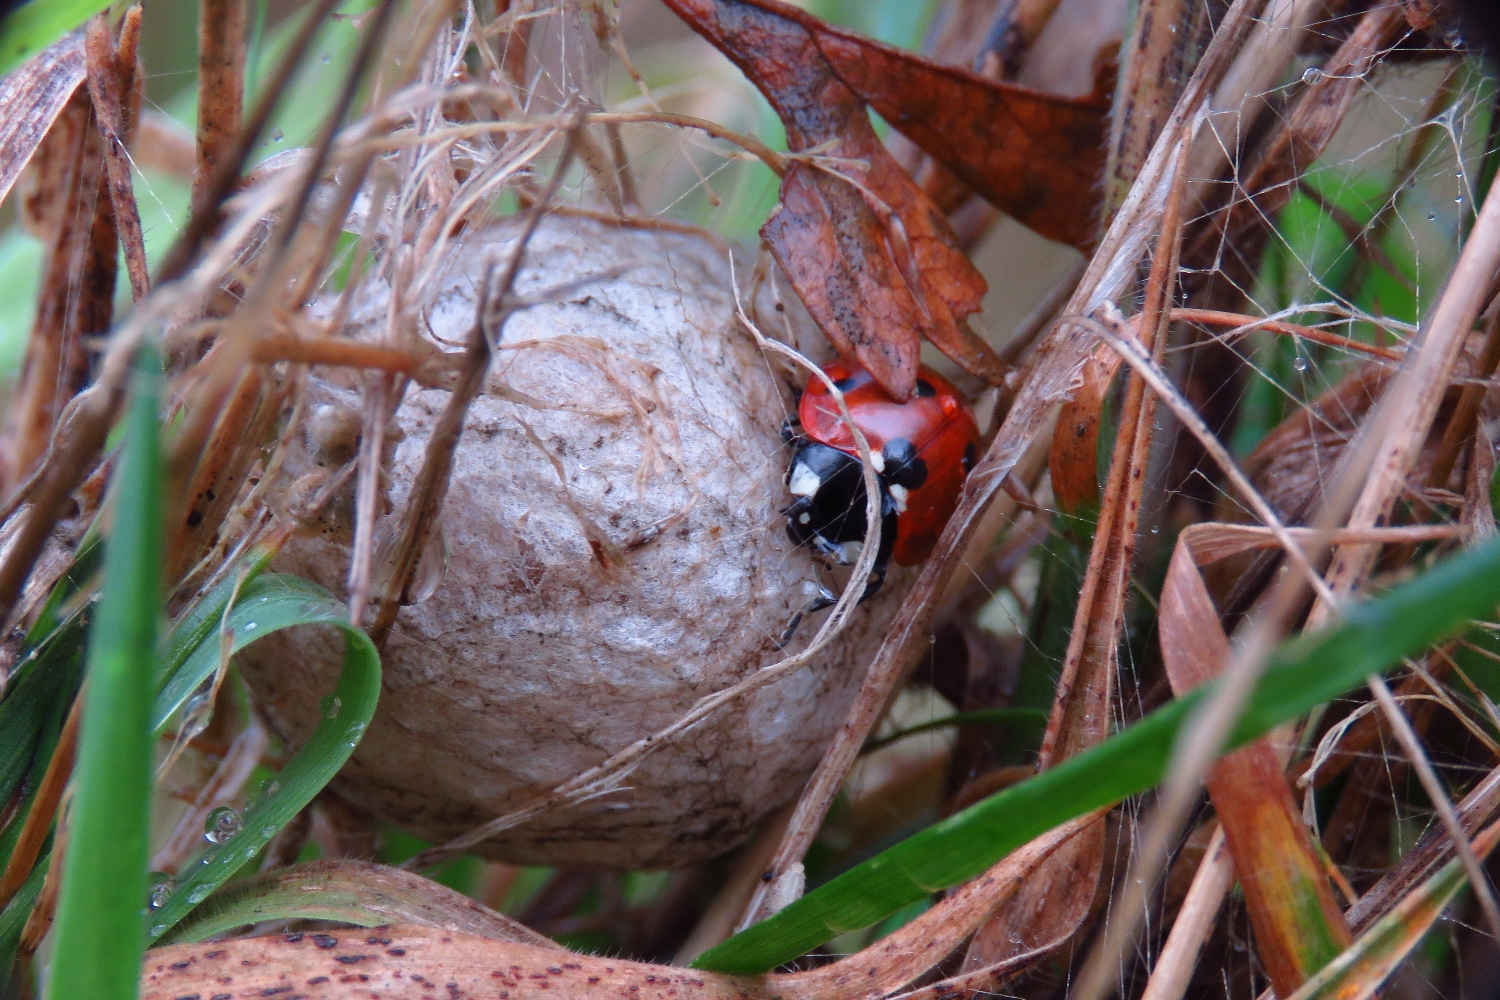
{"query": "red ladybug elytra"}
(922, 451)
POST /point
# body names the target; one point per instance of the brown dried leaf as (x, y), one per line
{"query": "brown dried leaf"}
(31, 98)
(404, 961)
(66, 205)
(871, 256)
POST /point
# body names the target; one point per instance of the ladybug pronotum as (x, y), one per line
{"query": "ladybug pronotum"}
(922, 451)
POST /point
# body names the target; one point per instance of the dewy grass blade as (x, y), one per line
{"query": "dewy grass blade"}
(263, 606)
(1304, 673)
(100, 910)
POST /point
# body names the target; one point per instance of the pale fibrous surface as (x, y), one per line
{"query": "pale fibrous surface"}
(535, 656)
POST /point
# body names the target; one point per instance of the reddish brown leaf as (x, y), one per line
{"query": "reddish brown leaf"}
(1035, 156)
(1298, 925)
(871, 256)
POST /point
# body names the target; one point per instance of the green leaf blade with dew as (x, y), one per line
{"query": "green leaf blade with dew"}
(262, 606)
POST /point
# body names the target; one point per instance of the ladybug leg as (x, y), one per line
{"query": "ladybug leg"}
(824, 599)
(791, 429)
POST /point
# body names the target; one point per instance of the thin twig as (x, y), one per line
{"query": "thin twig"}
(221, 91)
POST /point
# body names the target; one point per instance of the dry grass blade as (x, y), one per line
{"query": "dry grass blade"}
(221, 90)
(67, 206)
(1439, 796)
(31, 98)
(114, 77)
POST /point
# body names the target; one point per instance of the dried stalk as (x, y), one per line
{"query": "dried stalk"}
(115, 88)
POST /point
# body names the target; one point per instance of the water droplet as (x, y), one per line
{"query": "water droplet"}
(1299, 363)
(331, 706)
(277, 135)
(161, 889)
(199, 894)
(1312, 75)
(1156, 529)
(327, 59)
(1459, 200)
(270, 787)
(1431, 216)
(158, 930)
(250, 626)
(268, 832)
(221, 825)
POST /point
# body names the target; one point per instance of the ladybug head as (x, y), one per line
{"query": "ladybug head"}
(828, 514)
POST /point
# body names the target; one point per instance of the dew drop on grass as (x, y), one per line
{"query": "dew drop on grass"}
(330, 706)
(1312, 75)
(250, 626)
(270, 787)
(158, 930)
(221, 825)
(161, 889)
(1431, 216)
(199, 894)
(1299, 363)
(277, 135)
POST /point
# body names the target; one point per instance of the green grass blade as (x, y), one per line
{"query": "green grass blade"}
(99, 916)
(263, 606)
(1304, 673)
(31, 28)
(13, 922)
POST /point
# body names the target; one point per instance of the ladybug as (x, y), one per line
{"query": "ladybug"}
(922, 451)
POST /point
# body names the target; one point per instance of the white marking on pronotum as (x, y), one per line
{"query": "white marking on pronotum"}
(805, 482)
(877, 460)
(804, 518)
(898, 494)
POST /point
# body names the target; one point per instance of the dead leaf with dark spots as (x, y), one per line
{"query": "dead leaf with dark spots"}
(871, 256)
